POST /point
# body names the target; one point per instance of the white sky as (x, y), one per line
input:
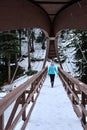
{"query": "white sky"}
(53, 109)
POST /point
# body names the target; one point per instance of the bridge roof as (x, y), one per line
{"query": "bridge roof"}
(53, 7)
(50, 15)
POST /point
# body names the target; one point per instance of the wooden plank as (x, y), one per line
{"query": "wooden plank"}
(76, 109)
(2, 122)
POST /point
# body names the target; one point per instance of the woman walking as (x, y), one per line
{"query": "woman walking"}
(52, 70)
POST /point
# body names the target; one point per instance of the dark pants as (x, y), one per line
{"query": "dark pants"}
(52, 76)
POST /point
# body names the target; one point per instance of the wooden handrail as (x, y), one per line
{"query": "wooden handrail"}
(77, 92)
(24, 94)
(82, 86)
(12, 96)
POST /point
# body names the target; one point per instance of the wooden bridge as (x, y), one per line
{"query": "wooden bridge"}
(65, 14)
(28, 92)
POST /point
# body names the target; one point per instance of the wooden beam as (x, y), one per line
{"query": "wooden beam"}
(54, 2)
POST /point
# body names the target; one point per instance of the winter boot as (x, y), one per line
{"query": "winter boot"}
(52, 84)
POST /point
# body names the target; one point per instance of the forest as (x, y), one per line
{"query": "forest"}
(72, 48)
(11, 52)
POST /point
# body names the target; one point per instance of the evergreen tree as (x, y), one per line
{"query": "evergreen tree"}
(28, 37)
(32, 38)
(80, 42)
(8, 49)
(20, 33)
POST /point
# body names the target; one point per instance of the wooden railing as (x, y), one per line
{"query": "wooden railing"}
(77, 92)
(24, 95)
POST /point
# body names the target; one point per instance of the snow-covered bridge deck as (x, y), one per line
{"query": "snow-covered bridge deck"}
(53, 110)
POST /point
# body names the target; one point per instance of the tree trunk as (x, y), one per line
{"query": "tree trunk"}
(16, 63)
(43, 44)
(9, 70)
(29, 61)
(20, 42)
(32, 47)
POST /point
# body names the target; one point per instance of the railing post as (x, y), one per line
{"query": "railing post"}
(83, 103)
(32, 89)
(73, 99)
(69, 84)
(23, 102)
(2, 122)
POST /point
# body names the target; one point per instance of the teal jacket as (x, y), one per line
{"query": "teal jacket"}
(52, 69)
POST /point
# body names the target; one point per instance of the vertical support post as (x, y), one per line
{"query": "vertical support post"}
(32, 89)
(69, 83)
(2, 122)
(83, 103)
(23, 102)
(73, 99)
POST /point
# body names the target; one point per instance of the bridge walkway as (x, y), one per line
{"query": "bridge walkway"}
(53, 110)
